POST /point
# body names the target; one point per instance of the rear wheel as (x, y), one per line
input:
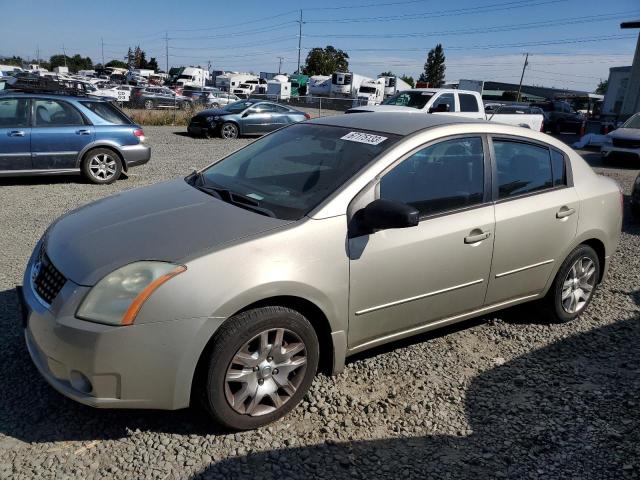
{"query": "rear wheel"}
(574, 285)
(149, 105)
(262, 363)
(101, 166)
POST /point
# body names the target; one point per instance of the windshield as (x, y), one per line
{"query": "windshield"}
(291, 171)
(238, 107)
(633, 122)
(368, 90)
(409, 99)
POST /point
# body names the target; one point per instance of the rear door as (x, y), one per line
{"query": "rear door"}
(469, 106)
(536, 213)
(58, 135)
(15, 134)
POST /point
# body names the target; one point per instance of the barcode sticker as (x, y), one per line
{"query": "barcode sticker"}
(361, 137)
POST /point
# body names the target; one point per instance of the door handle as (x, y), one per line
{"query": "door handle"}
(16, 133)
(565, 212)
(476, 237)
(83, 132)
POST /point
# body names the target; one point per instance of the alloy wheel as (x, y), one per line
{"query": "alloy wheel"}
(229, 131)
(578, 285)
(102, 166)
(265, 372)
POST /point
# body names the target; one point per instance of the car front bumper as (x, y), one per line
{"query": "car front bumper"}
(148, 365)
(609, 150)
(134, 155)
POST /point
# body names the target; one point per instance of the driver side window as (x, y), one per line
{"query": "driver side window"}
(53, 113)
(446, 176)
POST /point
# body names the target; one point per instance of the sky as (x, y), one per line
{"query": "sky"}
(571, 43)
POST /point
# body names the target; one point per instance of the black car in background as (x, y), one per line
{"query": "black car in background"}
(559, 117)
(151, 97)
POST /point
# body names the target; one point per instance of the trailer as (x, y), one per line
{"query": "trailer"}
(371, 92)
(193, 77)
(393, 85)
(319, 86)
(279, 88)
(298, 84)
(346, 84)
(228, 81)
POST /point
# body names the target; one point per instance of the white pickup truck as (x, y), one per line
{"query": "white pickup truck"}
(461, 103)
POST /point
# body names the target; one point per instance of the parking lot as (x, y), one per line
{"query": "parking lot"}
(505, 396)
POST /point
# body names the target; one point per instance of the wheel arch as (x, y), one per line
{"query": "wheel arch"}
(85, 151)
(332, 353)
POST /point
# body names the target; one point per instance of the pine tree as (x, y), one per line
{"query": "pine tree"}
(434, 67)
(130, 58)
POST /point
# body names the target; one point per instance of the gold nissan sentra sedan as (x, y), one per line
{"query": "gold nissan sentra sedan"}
(320, 240)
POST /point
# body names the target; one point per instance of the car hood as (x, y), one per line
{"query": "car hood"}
(170, 221)
(385, 108)
(213, 112)
(627, 133)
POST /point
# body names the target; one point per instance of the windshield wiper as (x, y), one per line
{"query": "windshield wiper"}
(234, 198)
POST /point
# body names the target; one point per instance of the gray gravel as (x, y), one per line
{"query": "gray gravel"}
(508, 396)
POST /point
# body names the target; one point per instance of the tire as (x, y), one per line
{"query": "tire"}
(101, 166)
(229, 130)
(230, 401)
(149, 105)
(563, 310)
(215, 105)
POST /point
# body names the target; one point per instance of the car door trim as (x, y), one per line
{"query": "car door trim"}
(418, 297)
(14, 154)
(436, 324)
(522, 269)
(48, 154)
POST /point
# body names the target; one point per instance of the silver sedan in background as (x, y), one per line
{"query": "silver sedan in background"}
(323, 239)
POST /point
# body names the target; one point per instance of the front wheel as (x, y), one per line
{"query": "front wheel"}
(229, 130)
(574, 285)
(149, 105)
(262, 363)
(101, 166)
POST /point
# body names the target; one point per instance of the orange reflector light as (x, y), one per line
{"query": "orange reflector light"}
(131, 313)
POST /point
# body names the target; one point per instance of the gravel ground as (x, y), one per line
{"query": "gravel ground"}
(507, 396)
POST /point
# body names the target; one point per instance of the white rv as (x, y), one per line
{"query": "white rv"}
(279, 88)
(228, 81)
(61, 69)
(393, 85)
(194, 77)
(346, 84)
(319, 86)
(371, 92)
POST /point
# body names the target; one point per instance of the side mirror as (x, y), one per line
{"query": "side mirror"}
(440, 108)
(384, 214)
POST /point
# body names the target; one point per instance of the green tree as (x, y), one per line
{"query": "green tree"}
(601, 89)
(74, 63)
(153, 64)
(434, 67)
(325, 61)
(131, 60)
(388, 73)
(116, 64)
(13, 60)
(409, 80)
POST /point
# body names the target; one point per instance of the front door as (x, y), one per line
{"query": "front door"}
(403, 279)
(536, 217)
(15, 134)
(257, 120)
(59, 133)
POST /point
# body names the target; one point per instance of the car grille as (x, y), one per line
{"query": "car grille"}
(626, 143)
(47, 279)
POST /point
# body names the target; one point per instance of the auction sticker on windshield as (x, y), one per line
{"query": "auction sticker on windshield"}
(362, 137)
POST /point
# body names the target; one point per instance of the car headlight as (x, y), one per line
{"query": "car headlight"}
(118, 297)
(213, 118)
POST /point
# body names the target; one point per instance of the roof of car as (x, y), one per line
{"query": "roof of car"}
(399, 123)
(51, 96)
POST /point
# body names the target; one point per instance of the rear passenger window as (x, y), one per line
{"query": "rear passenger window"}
(445, 176)
(52, 113)
(522, 168)
(559, 169)
(14, 112)
(468, 103)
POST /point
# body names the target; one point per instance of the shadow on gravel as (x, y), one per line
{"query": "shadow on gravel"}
(32, 411)
(569, 410)
(41, 180)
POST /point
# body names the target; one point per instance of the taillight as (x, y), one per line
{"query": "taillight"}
(138, 132)
(307, 116)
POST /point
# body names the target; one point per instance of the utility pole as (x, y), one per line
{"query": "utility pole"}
(280, 64)
(524, 67)
(102, 44)
(299, 41)
(166, 47)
